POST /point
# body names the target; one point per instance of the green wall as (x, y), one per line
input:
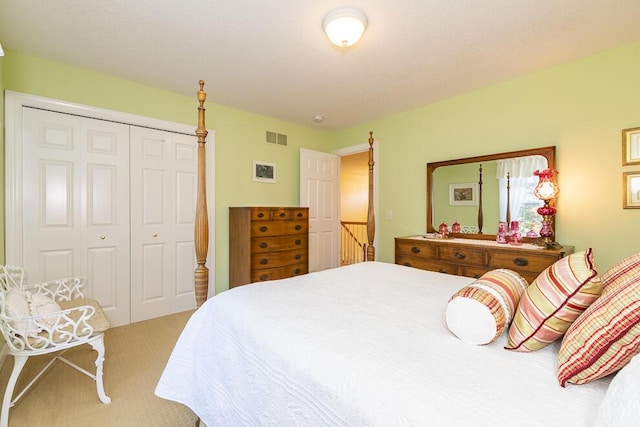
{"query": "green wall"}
(239, 136)
(580, 107)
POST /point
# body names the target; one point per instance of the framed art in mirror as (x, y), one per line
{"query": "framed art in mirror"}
(631, 146)
(463, 194)
(631, 190)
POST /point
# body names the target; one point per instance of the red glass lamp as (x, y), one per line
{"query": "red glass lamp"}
(546, 190)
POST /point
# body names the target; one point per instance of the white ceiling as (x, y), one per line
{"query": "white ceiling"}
(271, 57)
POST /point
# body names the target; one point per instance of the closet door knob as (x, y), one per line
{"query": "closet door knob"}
(155, 234)
(103, 237)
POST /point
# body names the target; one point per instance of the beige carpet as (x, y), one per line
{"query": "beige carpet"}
(135, 357)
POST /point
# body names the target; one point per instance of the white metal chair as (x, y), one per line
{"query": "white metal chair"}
(45, 318)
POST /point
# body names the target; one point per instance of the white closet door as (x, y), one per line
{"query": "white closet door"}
(163, 194)
(75, 175)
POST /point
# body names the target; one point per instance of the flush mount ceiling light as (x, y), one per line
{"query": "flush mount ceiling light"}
(344, 26)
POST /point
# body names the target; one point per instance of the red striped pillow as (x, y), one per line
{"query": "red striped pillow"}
(553, 301)
(607, 335)
(481, 311)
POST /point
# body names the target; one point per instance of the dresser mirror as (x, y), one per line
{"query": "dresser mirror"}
(479, 192)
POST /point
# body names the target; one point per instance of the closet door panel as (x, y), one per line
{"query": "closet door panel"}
(105, 216)
(51, 195)
(162, 212)
(75, 175)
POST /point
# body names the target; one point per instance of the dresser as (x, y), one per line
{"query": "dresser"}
(473, 258)
(267, 243)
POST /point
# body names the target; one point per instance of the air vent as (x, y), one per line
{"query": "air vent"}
(276, 138)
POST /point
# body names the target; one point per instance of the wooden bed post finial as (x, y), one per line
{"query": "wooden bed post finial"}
(201, 232)
(371, 220)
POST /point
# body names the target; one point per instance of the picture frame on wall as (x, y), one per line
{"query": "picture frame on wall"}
(463, 194)
(631, 146)
(631, 190)
(264, 172)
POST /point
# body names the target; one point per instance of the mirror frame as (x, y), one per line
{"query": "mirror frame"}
(548, 152)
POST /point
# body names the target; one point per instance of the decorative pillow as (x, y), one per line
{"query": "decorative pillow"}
(607, 335)
(21, 304)
(619, 406)
(481, 311)
(17, 307)
(553, 301)
(628, 268)
(42, 304)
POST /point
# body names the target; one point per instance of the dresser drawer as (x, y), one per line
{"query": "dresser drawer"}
(261, 214)
(277, 228)
(415, 247)
(459, 254)
(261, 261)
(426, 264)
(529, 262)
(262, 244)
(279, 272)
(474, 272)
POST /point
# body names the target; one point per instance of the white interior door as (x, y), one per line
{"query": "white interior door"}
(163, 193)
(319, 191)
(75, 176)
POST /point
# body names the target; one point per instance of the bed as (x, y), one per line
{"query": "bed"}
(372, 344)
(365, 344)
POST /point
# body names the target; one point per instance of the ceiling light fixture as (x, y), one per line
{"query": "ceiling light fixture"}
(344, 26)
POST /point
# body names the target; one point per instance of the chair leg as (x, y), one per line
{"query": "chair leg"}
(18, 364)
(98, 346)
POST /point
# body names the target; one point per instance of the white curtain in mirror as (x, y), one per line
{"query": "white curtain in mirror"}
(521, 181)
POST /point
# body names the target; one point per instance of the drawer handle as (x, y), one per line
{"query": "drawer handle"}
(264, 245)
(460, 255)
(260, 215)
(298, 256)
(521, 262)
(299, 214)
(407, 264)
(298, 241)
(282, 214)
(263, 261)
(264, 277)
(298, 227)
(476, 276)
(297, 271)
(415, 250)
(442, 270)
(264, 228)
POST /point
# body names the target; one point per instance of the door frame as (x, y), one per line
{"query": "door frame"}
(360, 148)
(15, 101)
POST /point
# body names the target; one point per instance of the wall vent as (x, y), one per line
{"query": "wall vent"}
(276, 138)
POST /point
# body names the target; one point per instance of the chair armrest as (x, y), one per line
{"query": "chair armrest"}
(59, 290)
(56, 330)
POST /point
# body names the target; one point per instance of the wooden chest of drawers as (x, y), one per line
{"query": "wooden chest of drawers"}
(473, 258)
(267, 243)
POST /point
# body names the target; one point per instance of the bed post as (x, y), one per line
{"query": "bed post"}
(371, 220)
(201, 235)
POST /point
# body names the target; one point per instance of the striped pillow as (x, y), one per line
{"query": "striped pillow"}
(481, 311)
(553, 301)
(607, 335)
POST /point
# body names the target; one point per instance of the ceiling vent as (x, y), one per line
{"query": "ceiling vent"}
(276, 138)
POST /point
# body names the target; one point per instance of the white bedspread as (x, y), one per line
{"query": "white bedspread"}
(365, 344)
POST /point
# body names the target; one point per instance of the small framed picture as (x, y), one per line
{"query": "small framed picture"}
(463, 194)
(264, 172)
(631, 146)
(631, 190)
